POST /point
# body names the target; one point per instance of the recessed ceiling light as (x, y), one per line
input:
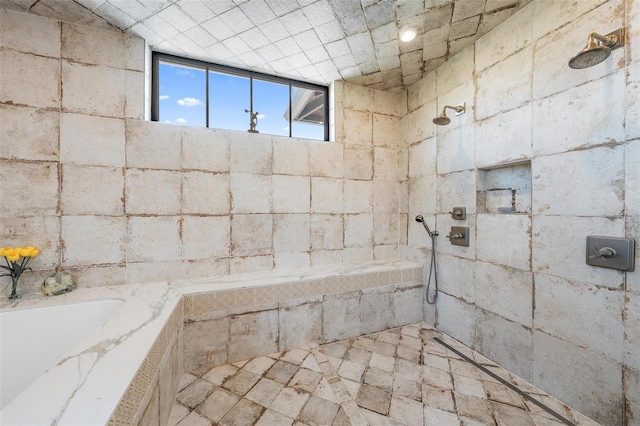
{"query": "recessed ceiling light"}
(408, 34)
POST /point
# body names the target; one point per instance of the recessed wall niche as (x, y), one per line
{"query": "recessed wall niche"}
(504, 189)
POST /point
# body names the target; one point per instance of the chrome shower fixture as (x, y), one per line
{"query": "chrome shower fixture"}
(598, 49)
(443, 120)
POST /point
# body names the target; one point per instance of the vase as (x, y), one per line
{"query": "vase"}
(14, 288)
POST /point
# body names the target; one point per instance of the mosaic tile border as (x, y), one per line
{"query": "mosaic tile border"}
(205, 303)
(133, 397)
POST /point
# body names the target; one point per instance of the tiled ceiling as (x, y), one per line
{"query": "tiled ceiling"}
(311, 40)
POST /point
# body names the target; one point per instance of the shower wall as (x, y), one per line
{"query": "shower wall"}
(521, 293)
(116, 199)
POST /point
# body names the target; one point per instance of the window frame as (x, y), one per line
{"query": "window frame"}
(157, 57)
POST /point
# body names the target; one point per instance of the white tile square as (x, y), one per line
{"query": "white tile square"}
(152, 192)
(39, 180)
(95, 90)
(291, 233)
(153, 145)
(89, 45)
(205, 237)
(29, 80)
(38, 131)
(251, 234)
(153, 239)
(29, 33)
(92, 190)
(291, 194)
(92, 240)
(205, 193)
(326, 195)
(91, 140)
(251, 193)
(250, 153)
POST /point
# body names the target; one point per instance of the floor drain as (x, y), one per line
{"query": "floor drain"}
(504, 382)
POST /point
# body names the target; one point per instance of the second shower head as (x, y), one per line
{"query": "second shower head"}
(443, 120)
(598, 49)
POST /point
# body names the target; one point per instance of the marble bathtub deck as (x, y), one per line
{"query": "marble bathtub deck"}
(395, 377)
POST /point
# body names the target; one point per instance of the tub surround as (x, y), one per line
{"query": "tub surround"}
(26, 331)
(130, 367)
(92, 378)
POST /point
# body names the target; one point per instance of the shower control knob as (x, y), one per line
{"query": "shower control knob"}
(458, 213)
(455, 236)
(603, 253)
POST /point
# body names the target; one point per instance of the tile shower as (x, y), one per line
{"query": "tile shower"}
(103, 181)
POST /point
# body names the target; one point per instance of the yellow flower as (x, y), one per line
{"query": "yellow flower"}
(13, 257)
(5, 251)
(25, 251)
(35, 252)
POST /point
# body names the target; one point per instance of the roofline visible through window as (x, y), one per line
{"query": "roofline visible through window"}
(156, 57)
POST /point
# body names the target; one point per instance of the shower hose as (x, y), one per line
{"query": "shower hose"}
(433, 270)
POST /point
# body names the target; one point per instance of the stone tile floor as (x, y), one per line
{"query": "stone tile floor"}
(395, 377)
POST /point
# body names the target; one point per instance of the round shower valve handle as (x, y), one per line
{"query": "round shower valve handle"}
(455, 236)
(456, 213)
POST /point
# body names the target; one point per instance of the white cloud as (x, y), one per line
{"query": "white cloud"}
(189, 102)
(163, 97)
(181, 120)
(182, 71)
(168, 121)
(261, 116)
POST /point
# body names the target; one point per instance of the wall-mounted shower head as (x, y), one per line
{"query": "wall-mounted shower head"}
(443, 120)
(598, 49)
(419, 218)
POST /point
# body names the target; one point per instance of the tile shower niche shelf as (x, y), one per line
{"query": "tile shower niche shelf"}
(504, 189)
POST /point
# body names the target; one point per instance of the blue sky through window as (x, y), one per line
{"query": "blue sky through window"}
(182, 95)
(272, 102)
(182, 100)
(228, 98)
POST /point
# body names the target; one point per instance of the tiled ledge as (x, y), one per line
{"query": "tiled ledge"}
(121, 384)
(243, 290)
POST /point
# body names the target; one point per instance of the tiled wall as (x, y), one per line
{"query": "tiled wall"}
(115, 199)
(521, 293)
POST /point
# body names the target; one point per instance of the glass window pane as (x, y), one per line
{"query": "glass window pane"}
(228, 98)
(271, 101)
(307, 113)
(182, 95)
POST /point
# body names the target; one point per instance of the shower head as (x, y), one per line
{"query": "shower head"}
(591, 55)
(419, 218)
(598, 49)
(443, 120)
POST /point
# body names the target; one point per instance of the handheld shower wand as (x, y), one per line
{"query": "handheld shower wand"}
(433, 268)
(420, 219)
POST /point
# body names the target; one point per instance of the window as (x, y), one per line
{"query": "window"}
(190, 92)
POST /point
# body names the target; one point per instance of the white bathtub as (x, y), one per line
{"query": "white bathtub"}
(34, 340)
